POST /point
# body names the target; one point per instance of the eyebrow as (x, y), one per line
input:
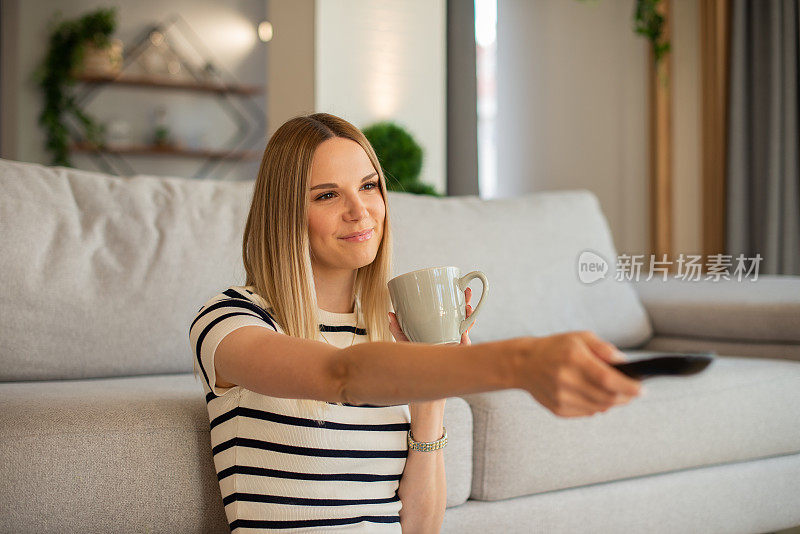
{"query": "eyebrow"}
(325, 186)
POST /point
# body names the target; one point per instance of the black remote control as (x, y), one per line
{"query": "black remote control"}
(666, 365)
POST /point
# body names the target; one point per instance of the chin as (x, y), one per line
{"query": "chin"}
(366, 261)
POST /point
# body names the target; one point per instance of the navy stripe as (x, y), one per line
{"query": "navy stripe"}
(277, 473)
(238, 303)
(307, 451)
(258, 523)
(241, 411)
(204, 333)
(367, 405)
(303, 501)
(238, 296)
(343, 328)
(211, 396)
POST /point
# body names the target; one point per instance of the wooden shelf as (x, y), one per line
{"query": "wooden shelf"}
(155, 150)
(167, 83)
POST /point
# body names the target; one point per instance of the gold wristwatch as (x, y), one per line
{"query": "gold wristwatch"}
(426, 446)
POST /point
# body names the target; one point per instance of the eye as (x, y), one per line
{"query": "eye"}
(374, 185)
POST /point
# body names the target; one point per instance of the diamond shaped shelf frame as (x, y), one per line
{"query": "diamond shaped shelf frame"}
(249, 117)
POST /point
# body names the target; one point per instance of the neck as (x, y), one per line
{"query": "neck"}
(335, 289)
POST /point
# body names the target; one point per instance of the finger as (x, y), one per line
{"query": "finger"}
(573, 404)
(468, 294)
(598, 398)
(469, 310)
(608, 378)
(587, 394)
(603, 349)
(394, 327)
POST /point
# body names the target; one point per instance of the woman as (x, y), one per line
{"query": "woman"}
(319, 420)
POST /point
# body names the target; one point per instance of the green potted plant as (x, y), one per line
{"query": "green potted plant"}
(68, 43)
(400, 157)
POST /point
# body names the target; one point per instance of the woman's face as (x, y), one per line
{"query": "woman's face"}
(344, 198)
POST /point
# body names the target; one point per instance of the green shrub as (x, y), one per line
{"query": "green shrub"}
(400, 157)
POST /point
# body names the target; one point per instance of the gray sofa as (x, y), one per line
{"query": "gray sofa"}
(105, 427)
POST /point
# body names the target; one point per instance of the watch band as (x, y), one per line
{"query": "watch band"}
(427, 446)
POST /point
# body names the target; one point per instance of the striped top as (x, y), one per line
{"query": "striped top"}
(278, 469)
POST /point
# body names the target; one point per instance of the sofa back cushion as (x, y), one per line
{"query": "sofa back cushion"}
(528, 247)
(104, 274)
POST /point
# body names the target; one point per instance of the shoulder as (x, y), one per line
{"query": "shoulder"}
(239, 299)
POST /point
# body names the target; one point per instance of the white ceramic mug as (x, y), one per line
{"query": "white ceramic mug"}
(430, 304)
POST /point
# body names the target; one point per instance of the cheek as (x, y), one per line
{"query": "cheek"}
(318, 226)
(378, 210)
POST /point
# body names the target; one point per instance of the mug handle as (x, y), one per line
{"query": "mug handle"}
(463, 282)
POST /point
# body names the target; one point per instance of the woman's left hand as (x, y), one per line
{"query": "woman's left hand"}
(465, 336)
(398, 334)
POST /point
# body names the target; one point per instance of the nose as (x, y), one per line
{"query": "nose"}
(356, 209)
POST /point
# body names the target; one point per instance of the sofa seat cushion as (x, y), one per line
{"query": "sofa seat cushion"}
(98, 453)
(737, 409)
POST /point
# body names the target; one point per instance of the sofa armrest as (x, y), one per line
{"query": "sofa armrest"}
(764, 310)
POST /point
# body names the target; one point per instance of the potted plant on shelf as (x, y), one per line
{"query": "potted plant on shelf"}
(69, 43)
(400, 157)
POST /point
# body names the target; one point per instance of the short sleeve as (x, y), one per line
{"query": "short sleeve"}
(213, 322)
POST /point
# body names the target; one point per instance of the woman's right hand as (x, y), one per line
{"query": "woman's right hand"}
(569, 374)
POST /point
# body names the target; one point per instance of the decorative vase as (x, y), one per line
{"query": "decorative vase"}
(101, 61)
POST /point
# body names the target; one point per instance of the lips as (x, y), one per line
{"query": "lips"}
(357, 234)
(359, 237)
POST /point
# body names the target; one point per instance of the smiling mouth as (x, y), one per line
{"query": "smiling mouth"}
(360, 237)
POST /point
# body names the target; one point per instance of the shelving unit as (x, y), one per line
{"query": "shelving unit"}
(234, 98)
(168, 83)
(158, 150)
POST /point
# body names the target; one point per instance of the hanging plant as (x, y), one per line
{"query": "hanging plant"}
(650, 23)
(56, 77)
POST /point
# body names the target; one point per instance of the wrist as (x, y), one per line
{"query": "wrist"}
(427, 407)
(427, 431)
(427, 421)
(517, 352)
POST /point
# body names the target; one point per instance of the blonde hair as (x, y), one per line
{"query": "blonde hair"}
(276, 246)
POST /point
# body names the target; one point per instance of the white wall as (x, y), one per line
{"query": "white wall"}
(686, 124)
(385, 59)
(573, 111)
(572, 108)
(227, 30)
(291, 61)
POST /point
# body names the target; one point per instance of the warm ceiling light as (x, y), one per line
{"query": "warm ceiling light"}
(156, 38)
(265, 31)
